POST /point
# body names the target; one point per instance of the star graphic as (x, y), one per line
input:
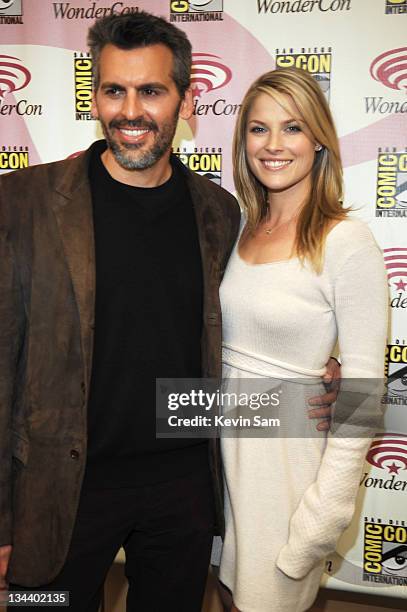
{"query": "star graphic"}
(401, 285)
(393, 468)
(196, 91)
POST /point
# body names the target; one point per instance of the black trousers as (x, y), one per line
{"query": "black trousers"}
(166, 531)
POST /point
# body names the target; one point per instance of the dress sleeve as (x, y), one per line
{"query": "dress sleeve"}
(327, 507)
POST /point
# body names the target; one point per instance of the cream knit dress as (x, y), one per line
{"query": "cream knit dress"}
(289, 499)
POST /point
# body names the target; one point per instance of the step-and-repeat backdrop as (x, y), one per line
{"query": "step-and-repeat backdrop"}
(357, 51)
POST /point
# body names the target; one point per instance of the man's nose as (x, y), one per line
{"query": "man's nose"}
(132, 107)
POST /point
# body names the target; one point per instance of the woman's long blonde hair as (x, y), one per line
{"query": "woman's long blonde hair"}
(324, 203)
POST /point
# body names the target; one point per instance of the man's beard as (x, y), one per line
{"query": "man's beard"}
(148, 158)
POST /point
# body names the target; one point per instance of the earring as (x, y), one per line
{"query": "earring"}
(318, 147)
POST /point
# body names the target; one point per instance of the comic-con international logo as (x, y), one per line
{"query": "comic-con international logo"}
(13, 157)
(94, 10)
(11, 12)
(385, 551)
(83, 86)
(302, 6)
(196, 10)
(318, 62)
(14, 76)
(396, 367)
(391, 188)
(390, 70)
(209, 74)
(205, 161)
(396, 7)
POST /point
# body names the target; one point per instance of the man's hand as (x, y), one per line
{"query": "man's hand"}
(5, 552)
(331, 381)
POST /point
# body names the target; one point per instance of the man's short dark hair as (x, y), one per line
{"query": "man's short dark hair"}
(135, 30)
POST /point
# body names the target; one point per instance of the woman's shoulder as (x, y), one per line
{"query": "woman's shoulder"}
(348, 238)
(350, 234)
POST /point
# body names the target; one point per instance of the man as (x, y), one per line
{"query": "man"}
(110, 265)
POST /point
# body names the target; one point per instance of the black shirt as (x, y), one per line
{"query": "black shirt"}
(148, 324)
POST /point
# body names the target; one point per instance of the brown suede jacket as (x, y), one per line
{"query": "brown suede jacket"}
(47, 295)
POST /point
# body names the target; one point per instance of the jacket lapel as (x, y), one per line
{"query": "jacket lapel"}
(72, 206)
(209, 225)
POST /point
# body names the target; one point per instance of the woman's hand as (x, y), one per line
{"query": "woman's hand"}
(323, 403)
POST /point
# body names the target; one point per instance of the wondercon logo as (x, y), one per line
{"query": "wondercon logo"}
(13, 76)
(390, 68)
(395, 260)
(389, 453)
(208, 73)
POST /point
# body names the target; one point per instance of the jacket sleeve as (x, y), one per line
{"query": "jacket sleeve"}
(327, 506)
(11, 334)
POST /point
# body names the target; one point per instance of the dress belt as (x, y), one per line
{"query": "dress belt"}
(260, 365)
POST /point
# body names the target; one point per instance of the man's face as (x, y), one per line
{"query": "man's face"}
(138, 105)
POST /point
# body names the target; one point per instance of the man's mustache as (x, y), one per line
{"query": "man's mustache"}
(134, 123)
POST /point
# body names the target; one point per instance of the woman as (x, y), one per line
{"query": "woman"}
(302, 276)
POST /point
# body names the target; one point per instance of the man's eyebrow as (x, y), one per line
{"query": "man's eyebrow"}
(111, 85)
(153, 85)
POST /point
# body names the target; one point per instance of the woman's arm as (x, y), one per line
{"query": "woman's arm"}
(327, 507)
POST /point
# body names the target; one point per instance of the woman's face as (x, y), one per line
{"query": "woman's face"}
(280, 148)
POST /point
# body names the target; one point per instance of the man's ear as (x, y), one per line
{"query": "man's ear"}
(187, 105)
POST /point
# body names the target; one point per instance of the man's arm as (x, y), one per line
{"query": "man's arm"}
(12, 321)
(324, 402)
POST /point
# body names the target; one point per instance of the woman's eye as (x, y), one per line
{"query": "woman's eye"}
(293, 129)
(257, 129)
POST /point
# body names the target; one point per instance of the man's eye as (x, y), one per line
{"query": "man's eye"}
(149, 92)
(113, 91)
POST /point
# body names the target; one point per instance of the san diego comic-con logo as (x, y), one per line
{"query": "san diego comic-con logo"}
(302, 6)
(208, 74)
(318, 62)
(391, 188)
(14, 76)
(396, 368)
(385, 551)
(13, 157)
(396, 7)
(205, 161)
(196, 10)
(68, 10)
(390, 70)
(83, 86)
(11, 12)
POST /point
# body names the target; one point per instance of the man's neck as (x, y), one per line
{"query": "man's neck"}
(158, 174)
